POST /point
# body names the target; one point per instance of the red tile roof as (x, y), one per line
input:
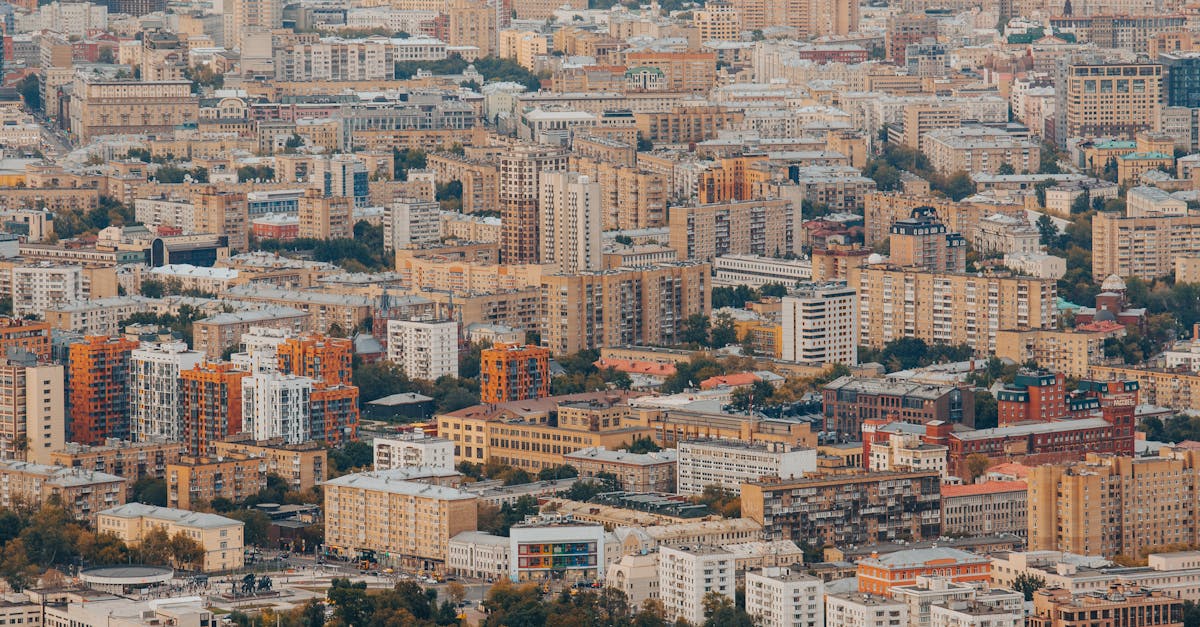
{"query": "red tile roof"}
(988, 487)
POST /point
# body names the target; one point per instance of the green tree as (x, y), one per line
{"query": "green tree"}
(1047, 230)
(1027, 584)
(986, 410)
(695, 330)
(723, 332)
(150, 490)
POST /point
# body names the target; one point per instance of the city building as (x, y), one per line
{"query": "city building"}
(212, 399)
(852, 507)
(820, 324)
(780, 597)
(303, 466)
(408, 222)
(1108, 100)
(922, 241)
(30, 335)
(32, 417)
(221, 538)
(556, 546)
(114, 107)
(850, 401)
(277, 406)
(728, 464)
(1144, 247)
(83, 493)
(979, 149)
(424, 349)
(686, 575)
(859, 609)
(326, 217)
(878, 575)
(981, 509)
(570, 222)
(195, 480)
(131, 460)
(752, 227)
(519, 191)
(636, 472)
(38, 287)
(512, 372)
(156, 400)
(1121, 606)
(402, 523)
(414, 449)
(1032, 396)
(757, 271)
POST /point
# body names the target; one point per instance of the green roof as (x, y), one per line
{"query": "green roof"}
(1117, 143)
(1145, 155)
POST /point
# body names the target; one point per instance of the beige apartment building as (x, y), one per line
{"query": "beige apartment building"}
(753, 227)
(681, 125)
(195, 480)
(84, 493)
(1069, 351)
(32, 416)
(1111, 100)
(979, 149)
(1144, 247)
(1108, 505)
(223, 213)
(326, 217)
(421, 271)
(949, 308)
(480, 180)
(131, 460)
(811, 18)
(304, 466)
(402, 522)
(637, 472)
(220, 537)
(101, 107)
(622, 307)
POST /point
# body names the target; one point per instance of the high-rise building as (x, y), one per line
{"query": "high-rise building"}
(520, 178)
(811, 18)
(334, 413)
(511, 372)
(949, 308)
(277, 406)
(326, 217)
(570, 223)
(212, 396)
(32, 418)
(1109, 505)
(156, 400)
(820, 324)
(922, 241)
(472, 23)
(223, 213)
(325, 359)
(1110, 99)
(424, 349)
(243, 17)
(98, 388)
(907, 28)
(409, 222)
(631, 306)
(1181, 75)
(342, 176)
(686, 575)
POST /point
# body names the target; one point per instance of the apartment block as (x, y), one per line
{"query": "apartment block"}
(195, 480)
(922, 241)
(326, 217)
(949, 308)
(636, 472)
(1134, 504)
(755, 227)
(511, 372)
(304, 465)
(728, 464)
(820, 324)
(223, 213)
(99, 316)
(216, 334)
(408, 524)
(32, 417)
(83, 493)
(780, 597)
(1070, 351)
(424, 349)
(413, 450)
(131, 460)
(30, 335)
(979, 149)
(408, 222)
(571, 222)
(156, 400)
(984, 509)
(681, 71)
(683, 125)
(212, 405)
(852, 507)
(858, 609)
(277, 405)
(221, 538)
(38, 287)
(1145, 247)
(686, 575)
(622, 307)
(519, 185)
(1109, 100)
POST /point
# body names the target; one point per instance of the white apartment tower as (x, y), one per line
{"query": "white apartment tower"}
(777, 597)
(686, 575)
(277, 405)
(42, 286)
(409, 222)
(571, 222)
(820, 324)
(155, 394)
(730, 463)
(424, 349)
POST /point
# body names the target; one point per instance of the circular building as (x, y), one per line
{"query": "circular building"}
(126, 579)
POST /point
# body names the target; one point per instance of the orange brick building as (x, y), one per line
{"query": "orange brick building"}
(879, 574)
(1039, 396)
(511, 372)
(212, 405)
(98, 380)
(31, 335)
(334, 398)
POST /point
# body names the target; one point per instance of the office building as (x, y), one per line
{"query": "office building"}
(520, 176)
(855, 507)
(277, 406)
(820, 324)
(411, 223)
(98, 388)
(949, 308)
(83, 493)
(32, 416)
(156, 400)
(404, 523)
(923, 242)
(220, 538)
(424, 349)
(686, 575)
(413, 450)
(728, 464)
(511, 372)
(850, 401)
(1132, 506)
(212, 398)
(570, 222)
(780, 597)
(1181, 78)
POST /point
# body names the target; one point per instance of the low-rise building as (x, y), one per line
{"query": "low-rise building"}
(478, 555)
(727, 463)
(220, 537)
(551, 545)
(195, 480)
(413, 449)
(637, 472)
(878, 575)
(1056, 607)
(304, 466)
(83, 493)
